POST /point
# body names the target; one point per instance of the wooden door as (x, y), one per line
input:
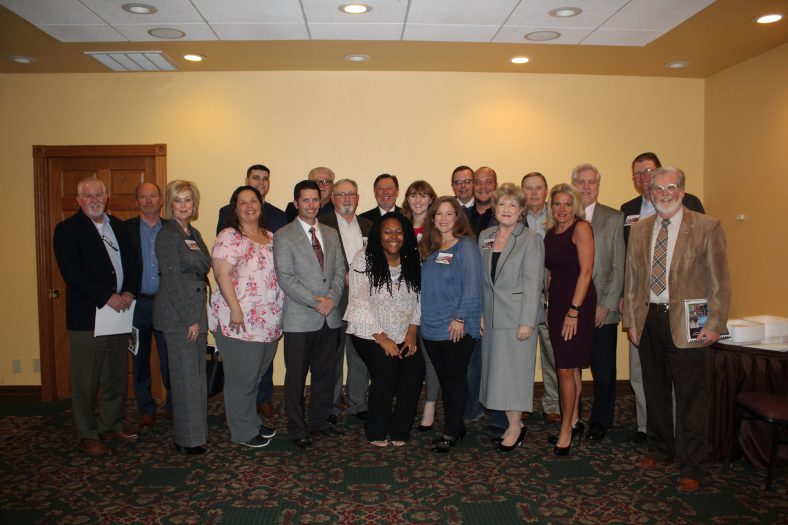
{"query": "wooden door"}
(58, 169)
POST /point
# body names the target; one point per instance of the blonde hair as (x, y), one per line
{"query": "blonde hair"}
(577, 204)
(175, 188)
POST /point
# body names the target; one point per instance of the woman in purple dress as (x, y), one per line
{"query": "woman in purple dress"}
(569, 259)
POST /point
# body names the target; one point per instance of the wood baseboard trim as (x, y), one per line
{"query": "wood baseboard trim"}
(16, 392)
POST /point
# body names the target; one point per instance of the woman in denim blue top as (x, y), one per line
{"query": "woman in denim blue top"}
(451, 295)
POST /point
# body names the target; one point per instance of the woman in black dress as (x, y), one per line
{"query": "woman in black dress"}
(569, 259)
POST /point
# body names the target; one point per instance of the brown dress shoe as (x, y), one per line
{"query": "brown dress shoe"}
(118, 436)
(647, 463)
(94, 448)
(552, 417)
(147, 420)
(687, 484)
(266, 409)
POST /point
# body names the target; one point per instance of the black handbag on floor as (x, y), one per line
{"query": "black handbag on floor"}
(214, 371)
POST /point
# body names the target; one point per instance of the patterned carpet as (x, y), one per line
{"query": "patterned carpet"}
(45, 479)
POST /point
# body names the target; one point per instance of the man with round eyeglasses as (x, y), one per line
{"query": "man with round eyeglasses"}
(639, 208)
(462, 186)
(324, 178)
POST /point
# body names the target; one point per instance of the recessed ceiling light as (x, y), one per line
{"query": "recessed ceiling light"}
(769, 19)
(678, 64)
(20, 59)
(542, 36)
(519, 60)
(139, 9)
(355, 9)
(565, 12)
(357, 58)
(166, 33)
(192, 57)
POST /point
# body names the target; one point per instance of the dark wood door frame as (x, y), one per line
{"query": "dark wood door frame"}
(44, 256)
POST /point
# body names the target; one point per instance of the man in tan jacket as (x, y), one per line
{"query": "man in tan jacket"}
(674, 256)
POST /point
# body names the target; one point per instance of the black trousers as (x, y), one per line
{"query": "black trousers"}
(391, 377)
(685, 371)
(451, 365)
(603, 368)
(305, 352)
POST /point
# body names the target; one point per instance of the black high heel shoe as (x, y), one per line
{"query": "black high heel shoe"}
(577, 430)
(444, 444)
(562, 451)
(500, 447)
(424, 428)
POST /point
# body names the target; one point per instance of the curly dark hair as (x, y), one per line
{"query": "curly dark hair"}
(232, 215)
(377, 267)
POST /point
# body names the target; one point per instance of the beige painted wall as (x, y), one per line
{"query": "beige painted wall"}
(746, 142)
(416, 125)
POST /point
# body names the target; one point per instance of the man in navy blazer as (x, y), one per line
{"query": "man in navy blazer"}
(640, 208)
(310, 269)
(97, 263)
(386, 188)
(259, 176)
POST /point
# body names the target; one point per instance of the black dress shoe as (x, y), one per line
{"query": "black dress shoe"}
(332, 419)
(596, 432)
(445, 443)
(362, 415)
(495, 430)
(190, 451)
(302, 442)
(638, 438)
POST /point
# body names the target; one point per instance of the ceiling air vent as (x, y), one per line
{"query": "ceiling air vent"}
(134, 60)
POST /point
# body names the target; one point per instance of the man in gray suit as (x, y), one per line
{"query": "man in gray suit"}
(311, 272)
(608, 277)
(353, 231)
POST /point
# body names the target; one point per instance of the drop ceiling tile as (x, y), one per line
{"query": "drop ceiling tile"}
(86, 33)
(470, 12)
(139, 33)
(449, 33)
(168, 11)
(261, 31)
(355, 31)
(516, 35)
(535, 13)
(250, 11)
(327, 12)
(659, 16)
(52, 12)
(621, 37)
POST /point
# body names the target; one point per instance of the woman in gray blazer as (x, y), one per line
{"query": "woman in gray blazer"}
(513, 262)
(179, 312)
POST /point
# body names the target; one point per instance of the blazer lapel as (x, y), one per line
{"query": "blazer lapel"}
(507, 249)
(487, 259)
(685, 230)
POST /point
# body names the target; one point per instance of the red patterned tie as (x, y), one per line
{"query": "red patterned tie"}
(316, 247)
(659, 264)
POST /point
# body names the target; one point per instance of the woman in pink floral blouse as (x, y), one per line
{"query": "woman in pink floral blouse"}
(246, 313)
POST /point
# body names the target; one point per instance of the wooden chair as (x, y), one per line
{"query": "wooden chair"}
(770, 408)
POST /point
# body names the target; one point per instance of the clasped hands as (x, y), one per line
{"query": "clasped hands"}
(120, 302)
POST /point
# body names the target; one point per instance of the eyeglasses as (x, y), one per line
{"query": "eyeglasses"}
(461, 182)
(109, 243)
(670, 188)
(345, 195)
(643, 173)
(325, 182)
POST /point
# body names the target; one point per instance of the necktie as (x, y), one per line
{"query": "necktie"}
(659, 264)
(316, 247)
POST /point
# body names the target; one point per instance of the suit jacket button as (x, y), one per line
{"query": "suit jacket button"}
(324, 280)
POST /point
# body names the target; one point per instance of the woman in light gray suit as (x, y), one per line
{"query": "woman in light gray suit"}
(179, 312)
(513, 261)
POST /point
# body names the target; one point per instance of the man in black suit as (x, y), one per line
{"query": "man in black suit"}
(142, 231)
(639, 208)
(324, 178)
(482, 215)
(386, 191)
(353, 231)
(462, 186)
(259, 176)
(97, 264)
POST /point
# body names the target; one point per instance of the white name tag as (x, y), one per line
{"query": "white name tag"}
(192, 245)
(444, 258)
(488, 243)
(631, 219)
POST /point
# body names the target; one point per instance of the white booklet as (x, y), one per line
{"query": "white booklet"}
(696, 313)
(110, 322)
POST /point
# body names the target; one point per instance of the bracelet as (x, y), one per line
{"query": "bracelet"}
(571, 316)
(574, 307)
(461, 321)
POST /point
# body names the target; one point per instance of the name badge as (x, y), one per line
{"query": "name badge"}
(488, 243)
(444, 258)
(192, 245)
(631, 219)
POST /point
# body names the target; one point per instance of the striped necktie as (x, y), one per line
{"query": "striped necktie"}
(316, 247)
